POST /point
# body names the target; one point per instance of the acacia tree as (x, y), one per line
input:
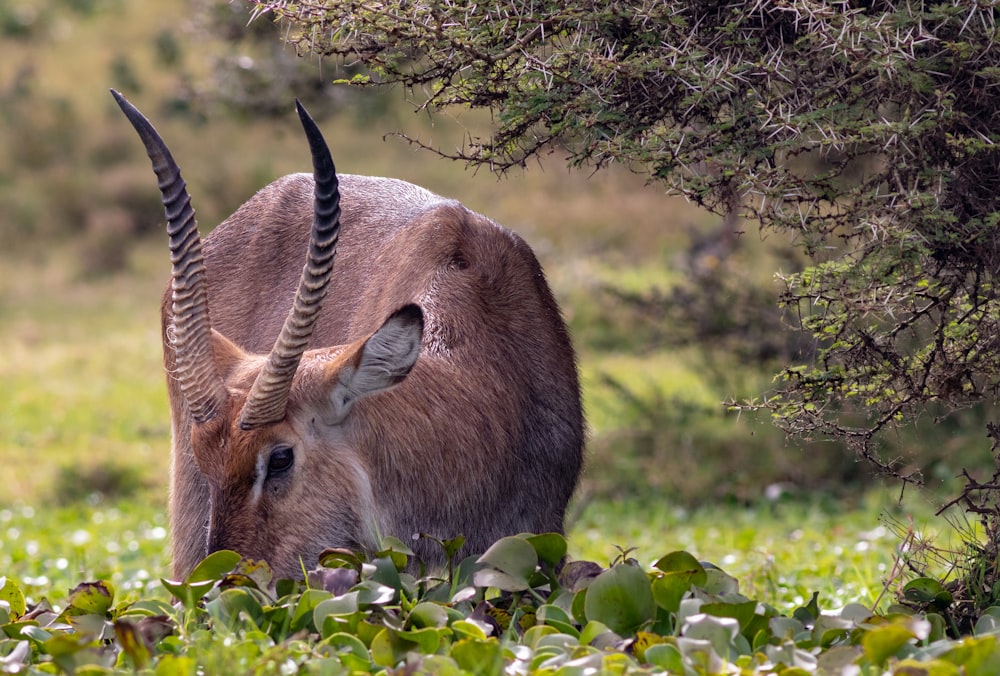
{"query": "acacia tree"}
(866, 129)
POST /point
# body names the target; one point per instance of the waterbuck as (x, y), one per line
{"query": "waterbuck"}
(436, 392)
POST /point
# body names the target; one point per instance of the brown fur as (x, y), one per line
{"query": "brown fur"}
(483, 438)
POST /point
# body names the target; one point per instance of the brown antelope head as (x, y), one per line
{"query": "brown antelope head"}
(281, 452)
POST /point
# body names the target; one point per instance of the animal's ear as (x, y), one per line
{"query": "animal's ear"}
(381, 361)
(227, 354)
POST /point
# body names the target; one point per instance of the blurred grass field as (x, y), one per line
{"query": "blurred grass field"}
(84, 433)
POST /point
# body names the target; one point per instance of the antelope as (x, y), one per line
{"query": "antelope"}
(434, 396)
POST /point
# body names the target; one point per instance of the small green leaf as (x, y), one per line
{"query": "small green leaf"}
(388, 649)
(386, 573)
(397, 550)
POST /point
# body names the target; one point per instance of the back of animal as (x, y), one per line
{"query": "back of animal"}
(476, 431)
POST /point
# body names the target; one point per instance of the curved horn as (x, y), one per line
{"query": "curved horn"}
(199, 378)
(269, 394)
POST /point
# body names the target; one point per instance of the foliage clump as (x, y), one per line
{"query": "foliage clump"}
(867, 131)
(516, 609)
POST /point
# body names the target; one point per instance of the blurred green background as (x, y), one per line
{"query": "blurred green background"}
(671, 314)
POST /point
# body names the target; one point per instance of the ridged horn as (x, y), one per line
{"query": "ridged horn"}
(203, 388)
(269, 394)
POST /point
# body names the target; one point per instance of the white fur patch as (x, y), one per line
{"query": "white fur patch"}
(259, 478)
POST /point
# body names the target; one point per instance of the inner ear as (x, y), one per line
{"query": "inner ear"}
(379, 362)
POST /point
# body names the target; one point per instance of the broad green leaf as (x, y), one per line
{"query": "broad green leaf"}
(348, 644)
(809, 612)
(938, 627)
(785, 628)
(597, 634)
(175, 665)
(550, 547)
(15, 661)
(719, 583)
(533, 636)
(426, 614)
(90, 598)
(386, 573)
(345, 604)
(682, 563)
(478, 656)
(305, 607)
(514, 557)
(367, 631)
(621, 598)
(720, 632)
(427, 639)
(388, 649)
(397, 550)
(438, 665)
(830, 628)
(798, 661)
(975, 655)
(132, 643)
(214, 567)
(643, 641)
(681, 571)
(912, 667)
(497, 579)
(700, 654)
(881, 643)
(12, 594)
(665, 656)
(928, 592)
(234, 606)
(188, 594)
(743, 612)
(554, 616)
(988, 622)
(470, 629)
(371, 592)
(250, 573)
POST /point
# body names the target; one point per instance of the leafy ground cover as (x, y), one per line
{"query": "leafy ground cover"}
(515, 609)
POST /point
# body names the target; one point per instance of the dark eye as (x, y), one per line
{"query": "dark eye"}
(281, 460)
